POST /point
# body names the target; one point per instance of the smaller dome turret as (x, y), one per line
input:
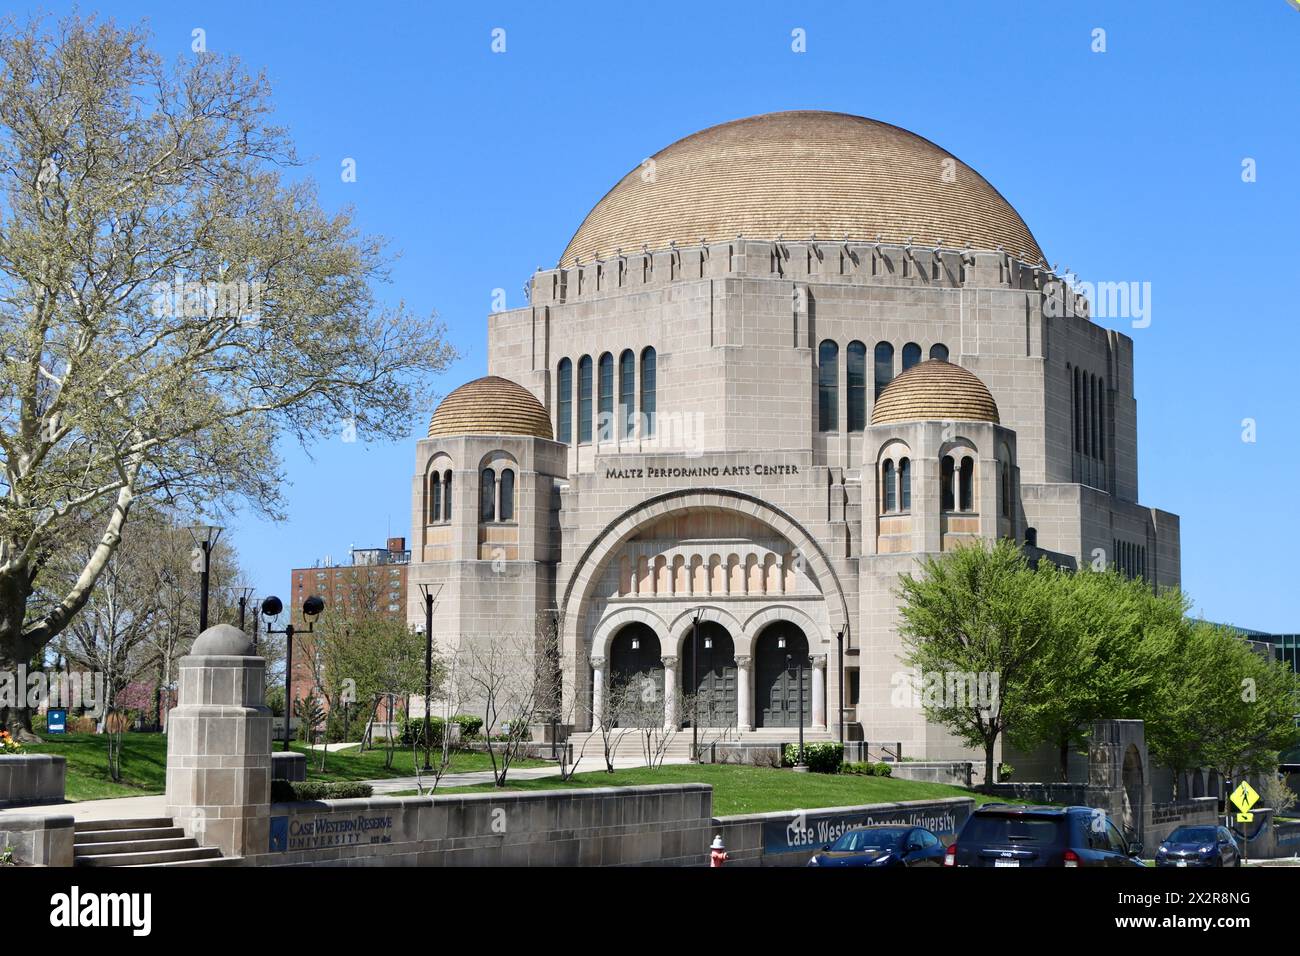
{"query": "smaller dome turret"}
(491, 405)
(935, 391)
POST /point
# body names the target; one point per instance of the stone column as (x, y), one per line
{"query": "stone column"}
(597, 692)
(670, 693)
(819, 692)
(744, 694)
(219, 745)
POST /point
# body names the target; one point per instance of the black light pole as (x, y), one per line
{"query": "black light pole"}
(695, 688)
(205, 538)
(799, 766)
(839, 641)
(311, 609)
(429, 594)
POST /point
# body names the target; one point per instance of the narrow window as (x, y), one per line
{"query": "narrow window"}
(1006, 490)
(967, 484)
(435, 497)
(939, 351)
(648, 392)
(828, 377)
(887, 485)
(857, 384)
(627, 392)
(1087, 418)
(564, 402)
(446, 496)
(584, 400)
(605, 410)
(487, 496)
(507, 510)
(945, 485)
(911, 355)
(905, 484)
(884, 366)
(1101, 419)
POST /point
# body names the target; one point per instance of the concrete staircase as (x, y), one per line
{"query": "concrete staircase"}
(156, 841)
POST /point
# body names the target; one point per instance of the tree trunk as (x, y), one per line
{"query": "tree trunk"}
(988, 761)
(1065, 758)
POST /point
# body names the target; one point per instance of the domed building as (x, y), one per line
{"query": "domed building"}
(779, 363)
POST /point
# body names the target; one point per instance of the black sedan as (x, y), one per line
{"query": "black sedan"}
(882, 845)
(1199, 846)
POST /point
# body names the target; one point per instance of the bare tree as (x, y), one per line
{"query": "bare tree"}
(503, 676)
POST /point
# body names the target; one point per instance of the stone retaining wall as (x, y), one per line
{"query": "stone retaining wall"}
(31, 779)
(37, 841)
(666, 825)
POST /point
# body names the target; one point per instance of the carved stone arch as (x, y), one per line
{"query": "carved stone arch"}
(591, 565)
(681, 627)
(615, 621)
(755, 623)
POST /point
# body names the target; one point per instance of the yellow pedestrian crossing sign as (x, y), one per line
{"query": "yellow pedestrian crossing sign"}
(1245, 797)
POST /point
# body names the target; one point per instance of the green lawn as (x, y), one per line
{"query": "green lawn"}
(754, 789)
(144, 762)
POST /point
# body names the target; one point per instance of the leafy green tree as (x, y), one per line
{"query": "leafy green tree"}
(978, 610)
(171, 305)
(1110, 640)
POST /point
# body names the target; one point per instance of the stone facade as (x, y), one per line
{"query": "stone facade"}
(745, 494)
(28, 779)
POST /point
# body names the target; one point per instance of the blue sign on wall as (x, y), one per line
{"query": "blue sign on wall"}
(56, 721)
(811, 830)
(279, 834)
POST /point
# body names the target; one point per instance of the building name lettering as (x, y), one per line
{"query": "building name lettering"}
(702, 471)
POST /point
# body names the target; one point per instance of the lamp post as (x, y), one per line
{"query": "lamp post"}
(245, 595)
(800, 766)
(695, 688)
(205, 538)
(839, 642)
(430, 593)
(271, 608)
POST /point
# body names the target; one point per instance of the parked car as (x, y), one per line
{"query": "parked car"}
(882, 845)
(1003, 835)
(1199, 846)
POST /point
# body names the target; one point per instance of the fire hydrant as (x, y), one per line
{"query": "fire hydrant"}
(717, 852)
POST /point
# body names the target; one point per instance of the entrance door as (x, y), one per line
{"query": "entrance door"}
(715, 680)
(778, 673)
(636, 676)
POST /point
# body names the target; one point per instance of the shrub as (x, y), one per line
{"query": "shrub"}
(822, 757)
(883, 769)
(8, 745)
(413, 731)
(1005, 770)
(285, 791)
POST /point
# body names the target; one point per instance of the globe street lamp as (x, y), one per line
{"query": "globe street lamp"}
(271, 608)
(205, 539)
(430, 593)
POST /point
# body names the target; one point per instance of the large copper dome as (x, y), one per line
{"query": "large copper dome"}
(797, 174)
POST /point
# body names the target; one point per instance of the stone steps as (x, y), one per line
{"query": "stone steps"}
(155, 841)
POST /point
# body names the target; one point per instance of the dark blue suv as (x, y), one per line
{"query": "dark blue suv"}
(1003, 835)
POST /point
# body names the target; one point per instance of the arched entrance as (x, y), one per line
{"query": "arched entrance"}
(1133, 777)
(635, 661)
(714, 681)
(781, 665)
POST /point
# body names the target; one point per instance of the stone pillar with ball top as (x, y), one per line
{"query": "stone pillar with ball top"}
(219, 745)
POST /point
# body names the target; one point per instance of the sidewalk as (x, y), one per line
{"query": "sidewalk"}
(155, 806)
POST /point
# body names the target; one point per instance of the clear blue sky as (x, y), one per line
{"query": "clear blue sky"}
(1126, 165)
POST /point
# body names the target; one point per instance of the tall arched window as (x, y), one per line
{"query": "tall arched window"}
(857, 384)
(605, 404)
(1006, 489)
(945, 484)
(884, 366)
(911, 355)
(507, 510)
(564, 402)
(888, 486)
(828, 381)
(905, 484)
(647, 392)
(487, 496)
(967, 484)
(939, 351)
(1101, 419)
(1078, 412)
(627, 393)
(584, 399)
(435, 497)
(446, 496)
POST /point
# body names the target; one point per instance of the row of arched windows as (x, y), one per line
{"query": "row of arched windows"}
(896, 485)
(607, 424)
(439, 497)
(1130, 559)
(496, 496)
(828, 378)
(957, 484)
